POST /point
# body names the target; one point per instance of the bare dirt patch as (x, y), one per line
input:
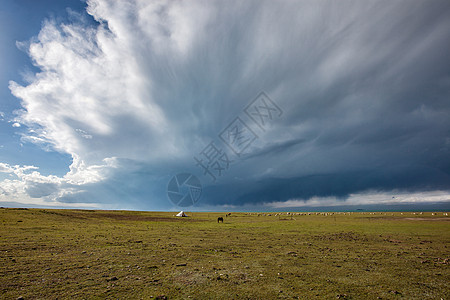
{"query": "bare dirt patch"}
(124, 217)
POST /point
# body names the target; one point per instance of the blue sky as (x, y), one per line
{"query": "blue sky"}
(271, 105)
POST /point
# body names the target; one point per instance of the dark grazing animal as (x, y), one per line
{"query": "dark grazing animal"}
(219, 219)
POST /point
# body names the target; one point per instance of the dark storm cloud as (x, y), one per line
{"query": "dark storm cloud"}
(366, 93)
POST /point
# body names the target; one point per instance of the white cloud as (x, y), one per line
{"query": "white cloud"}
(368, 198)
(84, 133)
(18, 170)
(92, 98)
(31, 187)
(111, 100)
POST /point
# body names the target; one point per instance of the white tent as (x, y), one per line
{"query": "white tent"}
(181, 214)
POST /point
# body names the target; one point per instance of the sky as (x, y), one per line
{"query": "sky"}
(225, 105)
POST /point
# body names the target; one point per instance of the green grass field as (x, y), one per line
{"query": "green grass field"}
(80, 254)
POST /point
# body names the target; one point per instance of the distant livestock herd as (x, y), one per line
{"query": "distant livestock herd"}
(291, 214)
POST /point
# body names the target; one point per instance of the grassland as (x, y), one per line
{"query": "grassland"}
(79, 254)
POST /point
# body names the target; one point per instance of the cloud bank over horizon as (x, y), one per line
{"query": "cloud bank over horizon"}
(140, 89)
